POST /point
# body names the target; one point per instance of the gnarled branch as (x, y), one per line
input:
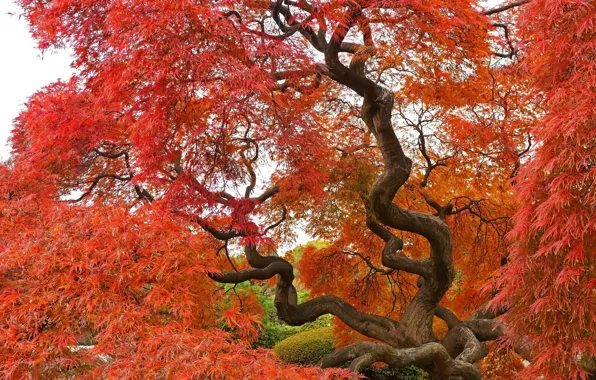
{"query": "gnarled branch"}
(431, 356)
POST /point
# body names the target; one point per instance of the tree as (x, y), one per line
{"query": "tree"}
(555, 230)
(196, 137)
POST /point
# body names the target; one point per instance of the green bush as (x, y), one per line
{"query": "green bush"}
(388, 373)
(272, 333)
(307, 347)
(322, 321)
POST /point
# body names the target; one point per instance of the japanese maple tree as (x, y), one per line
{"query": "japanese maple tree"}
(550, 282)
(197, 138)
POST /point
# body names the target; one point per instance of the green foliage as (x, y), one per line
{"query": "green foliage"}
(275, 331)
(307, 347)
(388, 373)
(272, 333)
(322, 321)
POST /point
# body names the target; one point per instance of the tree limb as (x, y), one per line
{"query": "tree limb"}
(265, 267)
(432, 356)
(505, 7)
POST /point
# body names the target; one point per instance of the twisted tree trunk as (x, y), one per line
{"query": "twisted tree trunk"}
(411, 340)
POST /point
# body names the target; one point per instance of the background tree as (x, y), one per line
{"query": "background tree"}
(550, 280)
(195, 133)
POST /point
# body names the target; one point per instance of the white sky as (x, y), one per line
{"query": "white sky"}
(22, 68)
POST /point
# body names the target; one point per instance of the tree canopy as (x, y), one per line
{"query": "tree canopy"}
(442, 151)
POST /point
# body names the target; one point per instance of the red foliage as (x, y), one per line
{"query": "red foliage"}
(108, 292)
(550, 280)
(121, 177)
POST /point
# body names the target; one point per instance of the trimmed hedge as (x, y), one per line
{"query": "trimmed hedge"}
(306, 348)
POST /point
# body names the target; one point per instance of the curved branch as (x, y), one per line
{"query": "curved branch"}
(376, 113)
(485, 329)
(248, 274)
(512, 49)
(278, 8)
(367, 261)
(492, 329)
(463, 345)
(393, 244)
(448, 316)
(431, 356)
(110, 155)
(225, 199)
(219, 235)
(417, 318)
(505, 7)
(267, 194)
(141, 192)
(248, 163)
(95, 182)
(233, 13)
(294, 314)
(485, 311)
(280, 221)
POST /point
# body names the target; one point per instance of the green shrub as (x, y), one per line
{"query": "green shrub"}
(272, 333)
(322, 321)
(275, 331)
(307, 347)
(388, 373)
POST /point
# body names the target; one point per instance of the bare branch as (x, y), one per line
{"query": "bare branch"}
(485, 311)
(512, 49)
(220, 235)
(265, 267)
(448, 316)
(393, 245)
(367, 261)
(505, 7)
(248, 274)
(267, 194)
(280, 221)
(462, 344)
(95, 182)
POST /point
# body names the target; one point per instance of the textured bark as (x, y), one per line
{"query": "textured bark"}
(431, 356)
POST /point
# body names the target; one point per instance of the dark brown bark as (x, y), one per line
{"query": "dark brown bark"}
(505, 7)
(431, 356)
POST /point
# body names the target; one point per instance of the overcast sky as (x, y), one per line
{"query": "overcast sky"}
(22, 69)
